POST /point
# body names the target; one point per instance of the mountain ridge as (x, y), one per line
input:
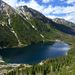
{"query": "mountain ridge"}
(23, 26)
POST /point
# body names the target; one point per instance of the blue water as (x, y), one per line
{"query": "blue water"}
(34, 53)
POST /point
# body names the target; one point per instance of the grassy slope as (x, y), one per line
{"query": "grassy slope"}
(58, 66)
(24, 30)
(7, 38)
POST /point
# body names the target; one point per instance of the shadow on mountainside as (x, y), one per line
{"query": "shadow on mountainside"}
(63, 28)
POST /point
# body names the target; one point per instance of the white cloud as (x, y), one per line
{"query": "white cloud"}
(69, 12)
(70, 1)
(33, 4)
(70, 17)
(59, 10)
(47, 10)
(45, 1)
(51, 16)
(11, 2)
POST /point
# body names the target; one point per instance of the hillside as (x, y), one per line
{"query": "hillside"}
(15, 30)
(23, 26)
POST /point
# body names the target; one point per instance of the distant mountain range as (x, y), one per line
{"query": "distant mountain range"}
(23, 25)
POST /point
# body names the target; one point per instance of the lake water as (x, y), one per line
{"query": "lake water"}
(34, 53)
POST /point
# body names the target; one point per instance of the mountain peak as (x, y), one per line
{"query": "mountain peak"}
(26, 9)
(4, 7)
(64, 22)
(31, 13)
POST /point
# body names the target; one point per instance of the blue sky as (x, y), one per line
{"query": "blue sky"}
(51, 8)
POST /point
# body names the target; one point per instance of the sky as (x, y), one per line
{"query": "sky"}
(64, 9)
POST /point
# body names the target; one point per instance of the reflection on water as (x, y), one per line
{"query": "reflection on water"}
(34, 53)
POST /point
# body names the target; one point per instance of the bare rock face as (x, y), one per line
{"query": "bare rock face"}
(64, 22)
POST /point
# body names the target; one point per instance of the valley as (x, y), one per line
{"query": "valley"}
(26, 35)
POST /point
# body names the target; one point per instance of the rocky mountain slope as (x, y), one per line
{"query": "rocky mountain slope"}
(64, 22)
(23, 26)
